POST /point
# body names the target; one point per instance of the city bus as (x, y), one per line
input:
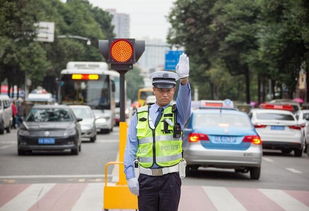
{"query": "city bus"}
(91, 83)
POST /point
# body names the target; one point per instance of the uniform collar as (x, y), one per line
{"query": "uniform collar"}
(156, 106)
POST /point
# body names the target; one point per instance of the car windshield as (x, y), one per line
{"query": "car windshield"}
(84, 113)
(49, 115)
(221, 120)
(274, 116)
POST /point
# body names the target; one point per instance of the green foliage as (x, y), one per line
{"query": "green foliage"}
(134, 82)
(266, 39)
(19, 53)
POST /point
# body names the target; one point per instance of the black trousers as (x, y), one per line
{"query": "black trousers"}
(159, 193)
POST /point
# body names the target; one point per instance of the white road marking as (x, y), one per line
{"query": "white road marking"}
(5, 146)
(52, 176)
(284, 200)
(27, 198)
(294, 170)
(222, 199)
(90, 199)
(268, 160)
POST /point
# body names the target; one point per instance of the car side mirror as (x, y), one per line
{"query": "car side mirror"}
(79, 119)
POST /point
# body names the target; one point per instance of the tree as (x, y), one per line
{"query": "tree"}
(134, 82)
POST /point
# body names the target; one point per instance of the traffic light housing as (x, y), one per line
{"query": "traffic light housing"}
(121, 53)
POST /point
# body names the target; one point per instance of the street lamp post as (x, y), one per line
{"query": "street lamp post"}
(75, 37)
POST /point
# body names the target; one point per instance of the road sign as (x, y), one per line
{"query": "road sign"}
(45, 31)
(171, 59)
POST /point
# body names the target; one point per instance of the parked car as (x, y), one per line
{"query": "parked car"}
(303, 120)
(278, 128)
(222, 138)
(5, 114)
(88, 126)
(49, 127)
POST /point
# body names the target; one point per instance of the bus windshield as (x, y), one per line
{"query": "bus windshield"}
(95, 93)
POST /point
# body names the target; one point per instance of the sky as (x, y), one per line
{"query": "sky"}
(148, 17)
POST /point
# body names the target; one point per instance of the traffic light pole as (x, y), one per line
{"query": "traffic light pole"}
(123, 126)
(121, 54)
(122, 97)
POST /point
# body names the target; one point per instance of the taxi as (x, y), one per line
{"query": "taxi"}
(278, 128)
(218, 135)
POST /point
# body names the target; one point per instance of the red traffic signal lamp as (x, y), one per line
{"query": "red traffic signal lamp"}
(121, 53)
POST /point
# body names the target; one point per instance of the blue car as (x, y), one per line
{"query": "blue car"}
(222, 138)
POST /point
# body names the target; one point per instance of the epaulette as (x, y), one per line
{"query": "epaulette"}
(142, 109)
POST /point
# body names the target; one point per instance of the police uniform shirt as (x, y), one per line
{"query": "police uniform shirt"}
(183, 103)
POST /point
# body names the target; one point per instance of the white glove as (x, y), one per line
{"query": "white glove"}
(182, 68)
(133, 185)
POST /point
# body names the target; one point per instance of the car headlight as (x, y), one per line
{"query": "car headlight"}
(69, 132)
(23, 132)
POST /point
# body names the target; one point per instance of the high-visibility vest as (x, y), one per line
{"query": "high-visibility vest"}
(157, 145)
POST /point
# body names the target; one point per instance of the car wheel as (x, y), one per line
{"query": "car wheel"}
(8, 129)
(1, 131)
(21, 152)
(92, 139)
(75, 151)
(190, 170)
(298, 152)
(80, 148)
(255, 173)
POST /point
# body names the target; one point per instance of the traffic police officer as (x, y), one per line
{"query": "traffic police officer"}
(154, 142)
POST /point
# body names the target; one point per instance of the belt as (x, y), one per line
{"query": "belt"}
(159, 171)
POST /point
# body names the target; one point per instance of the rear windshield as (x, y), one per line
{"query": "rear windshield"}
(274, 116)
(221, 120)
(84, 113)
(49, 115)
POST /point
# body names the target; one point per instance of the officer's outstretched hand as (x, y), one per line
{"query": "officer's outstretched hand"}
(133, 185)
(182, 68)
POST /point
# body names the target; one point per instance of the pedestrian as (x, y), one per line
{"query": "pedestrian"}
(154, 142)
(14, 113)
(20, 112)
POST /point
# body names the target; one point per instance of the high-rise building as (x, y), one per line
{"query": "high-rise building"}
(154, 54)
(153, 58)
(121, 23)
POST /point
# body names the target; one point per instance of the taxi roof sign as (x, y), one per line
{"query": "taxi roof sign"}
(226, 104)
(286, 107)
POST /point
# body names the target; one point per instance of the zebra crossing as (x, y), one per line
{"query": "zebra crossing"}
(89, 197)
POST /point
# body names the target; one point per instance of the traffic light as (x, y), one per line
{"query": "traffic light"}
(121, 54)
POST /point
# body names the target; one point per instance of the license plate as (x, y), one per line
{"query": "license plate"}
(276, 127)
(224, 140)
(46, 141)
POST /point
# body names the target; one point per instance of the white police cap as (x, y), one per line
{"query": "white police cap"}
(164, 79)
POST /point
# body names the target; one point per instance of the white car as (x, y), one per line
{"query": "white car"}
(88, 125)
(278, 129)
(303, 120)
(104, 121)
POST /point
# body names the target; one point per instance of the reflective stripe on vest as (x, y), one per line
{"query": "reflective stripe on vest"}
(167, 149)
